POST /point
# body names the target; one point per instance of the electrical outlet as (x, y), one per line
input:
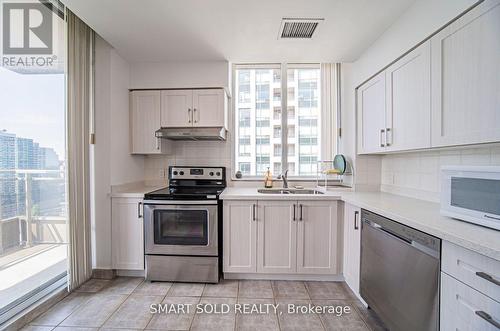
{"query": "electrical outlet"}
(161, 173)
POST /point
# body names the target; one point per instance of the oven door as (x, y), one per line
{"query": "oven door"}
(181, 227)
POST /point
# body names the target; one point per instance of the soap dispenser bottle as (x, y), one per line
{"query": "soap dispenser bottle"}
(268, 179)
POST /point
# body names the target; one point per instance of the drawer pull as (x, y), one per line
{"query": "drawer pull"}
(487, 317)
(489, 278)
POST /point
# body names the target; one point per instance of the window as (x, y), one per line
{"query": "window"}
(263, 111)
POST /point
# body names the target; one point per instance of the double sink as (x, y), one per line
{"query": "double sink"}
(288, 191)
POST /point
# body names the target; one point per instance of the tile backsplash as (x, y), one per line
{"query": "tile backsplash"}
(416, 174)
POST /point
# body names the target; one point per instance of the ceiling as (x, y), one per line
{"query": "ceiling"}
(236, 30)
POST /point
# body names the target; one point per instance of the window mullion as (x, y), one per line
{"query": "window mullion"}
(284, 118)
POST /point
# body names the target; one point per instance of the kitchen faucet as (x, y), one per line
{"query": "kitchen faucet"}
(284, 176)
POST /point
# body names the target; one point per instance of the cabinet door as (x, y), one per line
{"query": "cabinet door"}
(465, 78)
(276, 237)
(464, 308)
(317, 237)
(371, 115)
(144, 121)
(352, 246)
(408, 87)
(240, 236)
(127, 236)
(208, 107)
(176, 108)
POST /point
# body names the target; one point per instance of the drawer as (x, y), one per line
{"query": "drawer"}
(463, 308)
(478, 271)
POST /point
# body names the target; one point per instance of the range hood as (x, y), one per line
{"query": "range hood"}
(190, 133)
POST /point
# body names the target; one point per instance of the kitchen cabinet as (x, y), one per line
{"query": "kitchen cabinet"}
(317, 226)
(408, 95)
(281, 237)
(352, 246)
(127, 234)
(465, 79)
(240, 236)
(144, 121)
(193, 107)
(276, 237)
(371, 106)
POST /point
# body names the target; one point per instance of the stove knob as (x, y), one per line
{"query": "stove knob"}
(175, 173)
(211, 173)
(218, 173)
(181, 173)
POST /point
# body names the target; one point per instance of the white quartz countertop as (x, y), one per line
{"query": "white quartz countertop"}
(419, 214)
(134, 190)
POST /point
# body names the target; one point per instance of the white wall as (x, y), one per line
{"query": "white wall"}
(112, 163)
(179, 74)
(420, 20)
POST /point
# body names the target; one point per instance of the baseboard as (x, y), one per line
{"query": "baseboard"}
(130, 273)
(303, 277)
(103, 273)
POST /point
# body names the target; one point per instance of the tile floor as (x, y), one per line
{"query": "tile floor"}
(124, 304)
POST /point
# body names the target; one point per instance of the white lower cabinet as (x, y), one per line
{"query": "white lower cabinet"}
(281, 237)
(127, 234)
(352, 246)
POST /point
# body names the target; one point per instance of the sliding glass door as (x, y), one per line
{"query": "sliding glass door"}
(33, 199)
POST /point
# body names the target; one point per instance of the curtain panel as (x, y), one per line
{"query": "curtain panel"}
(80, 46)
(330, 100)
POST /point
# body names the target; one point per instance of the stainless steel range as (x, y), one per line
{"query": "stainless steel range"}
(182, 226)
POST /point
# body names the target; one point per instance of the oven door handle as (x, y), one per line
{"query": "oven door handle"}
(180, 202)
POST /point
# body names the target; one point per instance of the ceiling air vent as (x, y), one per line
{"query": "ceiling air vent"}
(298, 28)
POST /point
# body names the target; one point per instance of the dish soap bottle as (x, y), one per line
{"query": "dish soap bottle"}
(268, 179)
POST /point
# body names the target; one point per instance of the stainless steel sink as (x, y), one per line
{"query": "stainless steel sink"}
(288, 191)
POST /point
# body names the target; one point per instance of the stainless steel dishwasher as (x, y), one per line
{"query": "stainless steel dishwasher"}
(400, 273)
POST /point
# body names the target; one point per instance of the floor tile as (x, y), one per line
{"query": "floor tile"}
(297, 321)
(368, 315)
(341, 320)
(122, 285)
(255, 289)
(36, 328)
(174, 321)
(74, 328)
(328, 290)
(224, 289)
(257, 321)
(134, 312)
(61, 310)
(153, 288)
(218, 322)
(95, 311)
(93, 285)
(186, 290)
(289, 289)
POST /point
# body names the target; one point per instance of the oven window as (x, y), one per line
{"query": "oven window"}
(476, 194)
(181, 227)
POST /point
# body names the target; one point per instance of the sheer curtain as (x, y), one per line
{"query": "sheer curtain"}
(79, 109)
(330, 100)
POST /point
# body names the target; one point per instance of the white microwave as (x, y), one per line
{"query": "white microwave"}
(471, 194)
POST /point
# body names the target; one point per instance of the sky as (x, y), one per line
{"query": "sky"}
(33, 106)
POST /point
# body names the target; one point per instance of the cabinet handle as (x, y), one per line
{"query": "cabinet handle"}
(139, 205)
(157, 143)
(388, 141)
(382, 133)
(293, 219)
(487, 317)
(300, 218)
(356, 215)
(489, 278)
(254, 218)
(189, 115)
(194, 115)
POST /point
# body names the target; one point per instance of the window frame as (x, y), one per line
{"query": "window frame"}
(284, 118)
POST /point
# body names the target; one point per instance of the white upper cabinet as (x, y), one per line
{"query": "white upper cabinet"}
(466, 79)
(198, 108)
(209, 108)
(371, 106)
(408, 95)
(317, 237)
(144, 121)
(176, 108)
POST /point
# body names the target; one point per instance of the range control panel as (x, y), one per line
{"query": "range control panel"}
(196, 173)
